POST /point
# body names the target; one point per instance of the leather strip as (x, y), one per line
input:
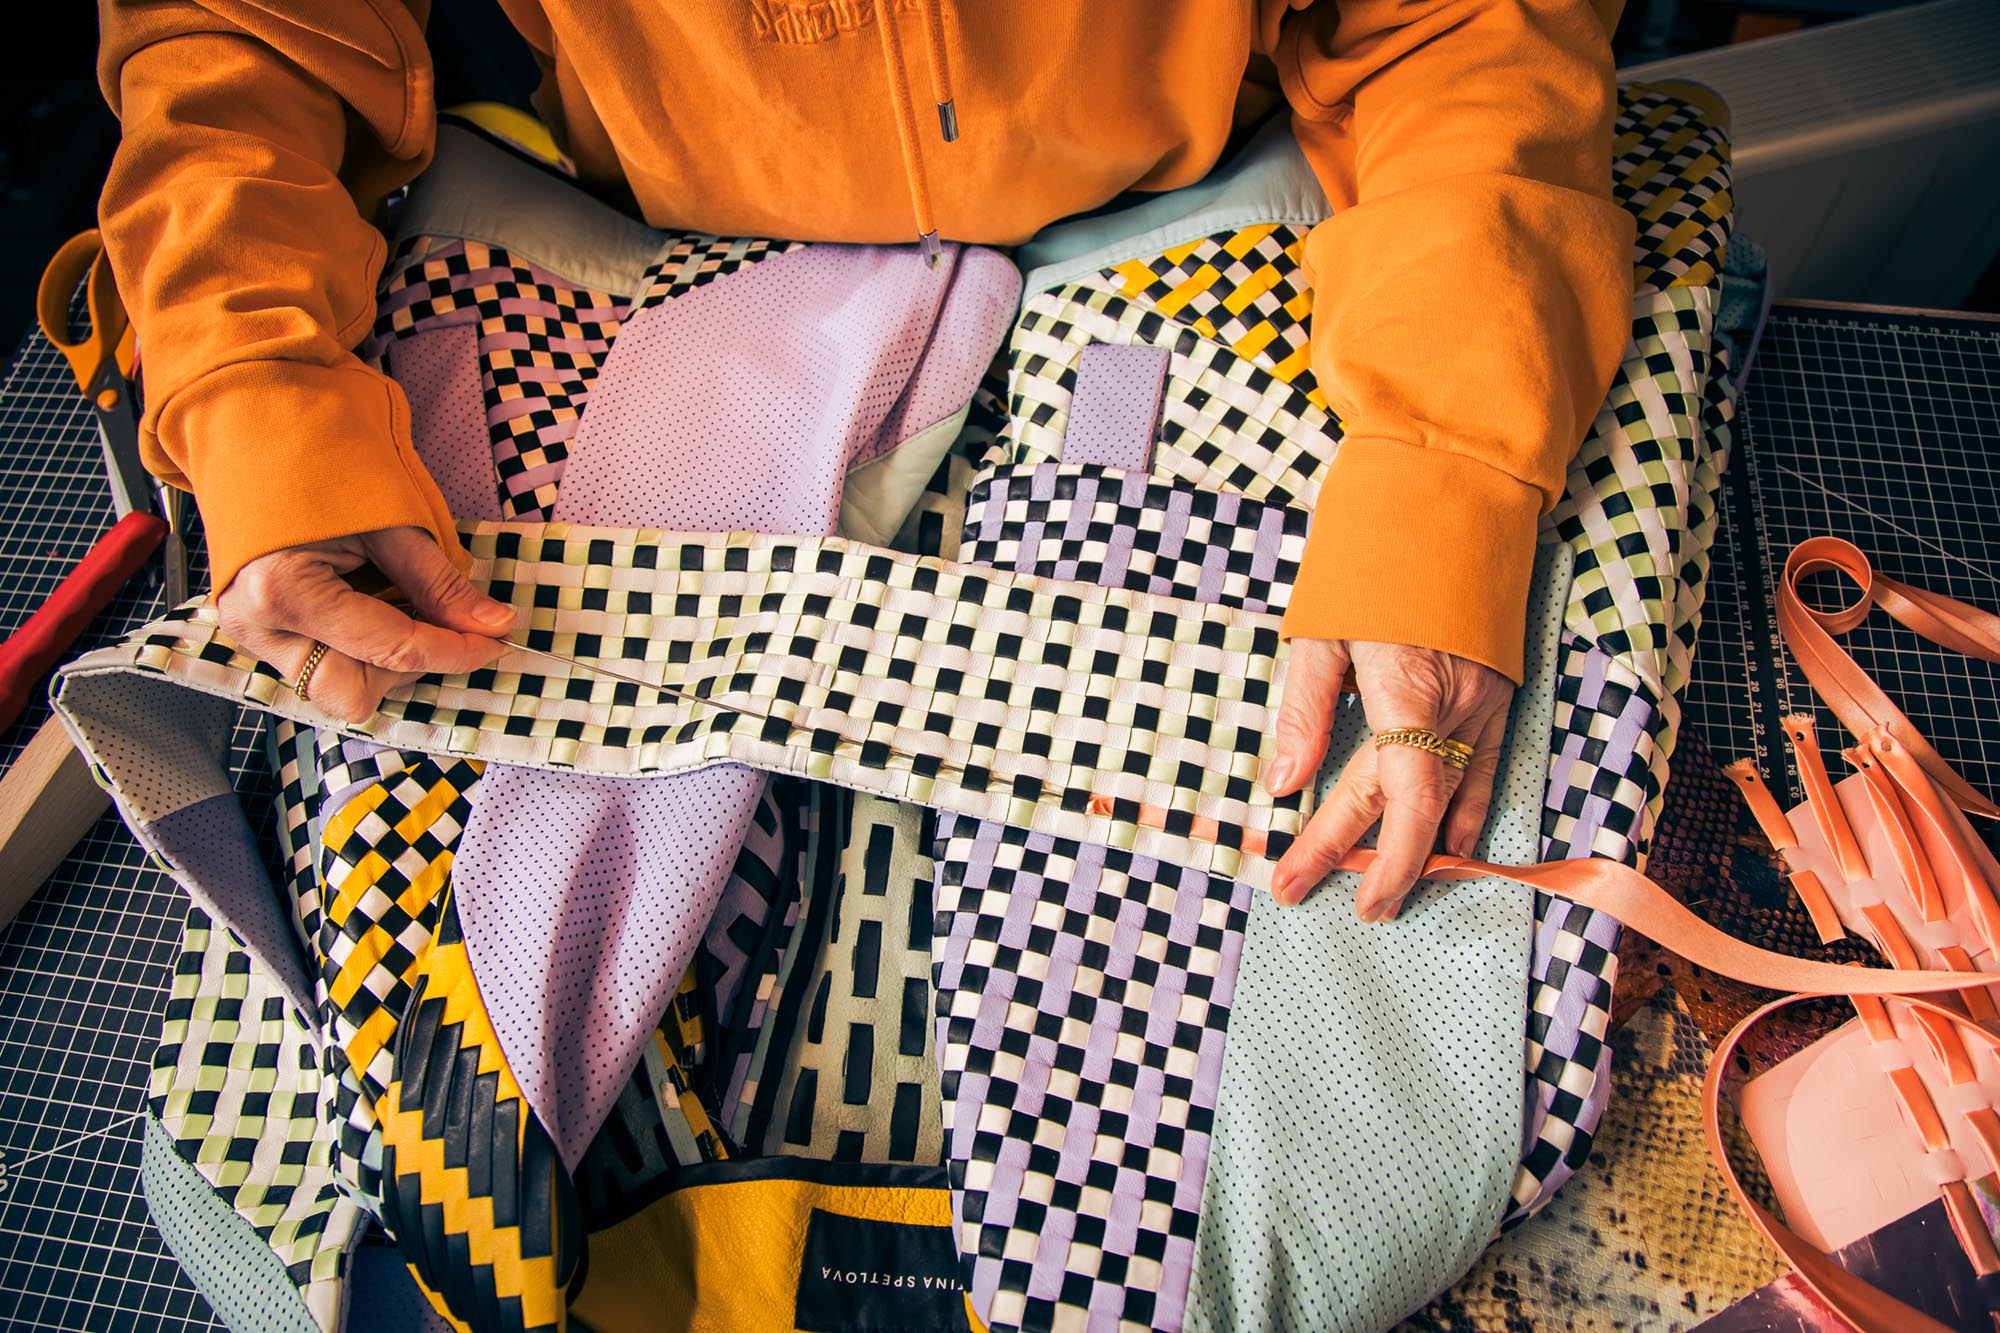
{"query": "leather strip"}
(1642, 905)
(1895, 821)
(1853, 696)
(1969, 1225)
(1889, 935)
(1823, 801)
(1763, 805)
(1920, 792)
(1978, 1003)
(1819, 906)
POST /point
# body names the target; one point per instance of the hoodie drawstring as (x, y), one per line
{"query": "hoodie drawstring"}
(906, 118)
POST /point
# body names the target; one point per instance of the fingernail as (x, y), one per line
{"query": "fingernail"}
(1281, 888)
(1278, 773)
(497, 614)
(1462, 844)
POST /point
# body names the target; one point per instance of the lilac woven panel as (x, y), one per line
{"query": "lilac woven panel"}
(1123, 530)
(1600, 765)
(1114, 412)
(737, 406)
(1083, 995)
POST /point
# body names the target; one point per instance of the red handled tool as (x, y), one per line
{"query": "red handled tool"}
(34, 650)
(102, 362)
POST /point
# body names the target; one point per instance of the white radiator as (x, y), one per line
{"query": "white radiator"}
(1867, 153)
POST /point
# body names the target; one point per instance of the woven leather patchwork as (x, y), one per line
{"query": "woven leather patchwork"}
(541, 343)
(1227, 422)
(235, 1083)
(541, 339)
(1670, 170)
(1121, 718)
(863, 662)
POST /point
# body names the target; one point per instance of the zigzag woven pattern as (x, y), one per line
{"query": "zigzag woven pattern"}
(474, 1192)
(385, 862)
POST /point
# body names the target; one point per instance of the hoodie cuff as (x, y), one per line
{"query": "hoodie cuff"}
(279, 453)
(1419, 546)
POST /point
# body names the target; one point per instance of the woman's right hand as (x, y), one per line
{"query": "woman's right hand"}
(279, 604)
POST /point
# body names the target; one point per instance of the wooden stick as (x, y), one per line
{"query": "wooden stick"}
(48, 801)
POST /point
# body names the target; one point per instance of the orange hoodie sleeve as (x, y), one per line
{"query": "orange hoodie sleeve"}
(1472, 297)
(253, 140)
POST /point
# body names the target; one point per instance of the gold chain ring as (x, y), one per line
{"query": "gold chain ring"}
(1456, 754)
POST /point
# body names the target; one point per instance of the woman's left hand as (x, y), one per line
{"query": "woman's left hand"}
(1413, 793)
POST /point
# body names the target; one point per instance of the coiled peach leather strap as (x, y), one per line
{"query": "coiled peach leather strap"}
(1849, 691)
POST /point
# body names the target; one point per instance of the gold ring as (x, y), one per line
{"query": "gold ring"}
(304, 682)
(1455, 754)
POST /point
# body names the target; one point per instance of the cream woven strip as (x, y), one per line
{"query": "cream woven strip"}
(1119, 718)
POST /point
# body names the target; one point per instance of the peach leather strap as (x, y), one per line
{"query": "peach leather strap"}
(1866, 1307)
(1821, 801)
(1641, 905)
(1911, 863)
(1848, 690)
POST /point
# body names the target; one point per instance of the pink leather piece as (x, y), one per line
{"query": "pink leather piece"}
(1884, 880)
(1787, 1109)
(1842, 1158)
(738, 406)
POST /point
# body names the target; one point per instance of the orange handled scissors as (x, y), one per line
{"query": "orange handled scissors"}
(103, 361)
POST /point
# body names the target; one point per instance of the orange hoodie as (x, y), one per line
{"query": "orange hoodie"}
(1472, 290)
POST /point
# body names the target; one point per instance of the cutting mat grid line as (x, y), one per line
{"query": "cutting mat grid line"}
(1884, 430)
(84, 969)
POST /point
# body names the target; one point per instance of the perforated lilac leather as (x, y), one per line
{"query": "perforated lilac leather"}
(1115, 411)
(737, 406)
(439, 372)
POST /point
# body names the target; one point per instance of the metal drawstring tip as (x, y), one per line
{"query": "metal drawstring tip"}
(933, 248)
(948, 120)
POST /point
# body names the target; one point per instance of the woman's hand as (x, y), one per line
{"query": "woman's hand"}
(1412, 792)
(279, 604)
